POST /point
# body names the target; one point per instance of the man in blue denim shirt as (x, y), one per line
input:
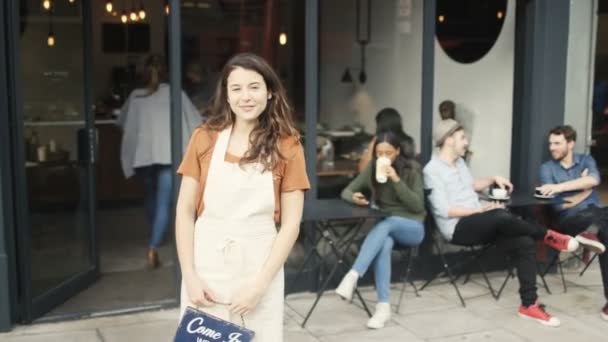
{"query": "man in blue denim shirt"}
(573, 177)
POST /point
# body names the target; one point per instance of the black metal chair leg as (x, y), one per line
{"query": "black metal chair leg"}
(561, 272)
(452, 280)
(587, 265)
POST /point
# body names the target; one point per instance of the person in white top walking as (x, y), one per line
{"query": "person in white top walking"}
(146, 145)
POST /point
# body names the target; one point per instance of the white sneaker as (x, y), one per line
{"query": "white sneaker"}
(347, 285)
(591, 242)
(380, 317)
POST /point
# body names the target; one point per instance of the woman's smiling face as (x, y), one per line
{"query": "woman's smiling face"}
(247, 94)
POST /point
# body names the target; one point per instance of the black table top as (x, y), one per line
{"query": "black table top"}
(525, 199)
(337, 209)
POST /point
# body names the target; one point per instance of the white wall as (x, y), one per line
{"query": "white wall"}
(580, 68)
(393, 65)
(483, 93)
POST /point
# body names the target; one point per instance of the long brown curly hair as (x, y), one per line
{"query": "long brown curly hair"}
(275, 122)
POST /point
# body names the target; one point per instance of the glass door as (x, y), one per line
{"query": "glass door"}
(53, 151)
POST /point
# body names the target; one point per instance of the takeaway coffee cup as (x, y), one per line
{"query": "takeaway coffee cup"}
(381, 164)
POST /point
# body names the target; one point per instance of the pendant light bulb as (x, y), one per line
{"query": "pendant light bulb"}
(142, 13)
(46, 4)
(50, 40)
(283, 38)
(109, 6)
(123, 17)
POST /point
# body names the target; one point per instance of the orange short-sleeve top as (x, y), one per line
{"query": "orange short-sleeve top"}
(288, 175)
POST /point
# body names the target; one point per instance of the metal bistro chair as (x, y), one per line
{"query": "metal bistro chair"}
(546, 218)
(556, 261)
(407, 254)
(472, 253)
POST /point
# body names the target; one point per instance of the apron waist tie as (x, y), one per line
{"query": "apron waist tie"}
(232, 255)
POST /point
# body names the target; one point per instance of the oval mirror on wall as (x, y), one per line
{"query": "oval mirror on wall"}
(467, 29)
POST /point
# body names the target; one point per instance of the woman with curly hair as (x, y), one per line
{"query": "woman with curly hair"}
(243, 175)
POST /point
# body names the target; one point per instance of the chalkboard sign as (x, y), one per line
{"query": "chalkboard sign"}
(198, 326)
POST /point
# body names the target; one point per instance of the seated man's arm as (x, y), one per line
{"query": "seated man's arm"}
(438, 199)
(576, 199)
(589, 179)
(483, 183)
(458, 212)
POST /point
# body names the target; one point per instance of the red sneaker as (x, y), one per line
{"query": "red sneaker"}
(536, 312)
(604, 313)
(560, 242)
(589, 241)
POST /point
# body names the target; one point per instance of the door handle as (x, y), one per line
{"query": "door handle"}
(87, 142)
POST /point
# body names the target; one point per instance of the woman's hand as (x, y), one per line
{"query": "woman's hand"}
(199, 292)
(359, 199)
(392, 174)
(246, 298)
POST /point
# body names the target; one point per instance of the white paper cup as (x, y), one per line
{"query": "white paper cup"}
(381, 164)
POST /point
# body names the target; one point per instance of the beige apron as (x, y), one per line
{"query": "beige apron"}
(233, 238)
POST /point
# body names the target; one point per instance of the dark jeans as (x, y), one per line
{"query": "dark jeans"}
(594, 220)
(511, 234)
(158, 184)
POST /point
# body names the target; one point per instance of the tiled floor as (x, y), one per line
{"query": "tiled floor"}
(435, 316)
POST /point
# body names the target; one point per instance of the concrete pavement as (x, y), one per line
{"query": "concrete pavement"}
(435, 316)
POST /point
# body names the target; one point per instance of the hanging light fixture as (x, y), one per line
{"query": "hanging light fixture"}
(71, 1)
(133, 15)
(283, 38)
(346, 77)
(363, 38)
(109, 6)
(46, 4)
(142, 11)
(50, 39)
(499, 15)
(123, 17)
(167, 10)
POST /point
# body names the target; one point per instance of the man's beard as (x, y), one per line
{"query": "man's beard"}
(559, 156)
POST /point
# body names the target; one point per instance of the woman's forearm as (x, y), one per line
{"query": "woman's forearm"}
(279, 253)
(184, 239)
(292, 207)
(184, 224)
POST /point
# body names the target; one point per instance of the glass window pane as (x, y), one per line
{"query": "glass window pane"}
(56, 142)
(365, 67)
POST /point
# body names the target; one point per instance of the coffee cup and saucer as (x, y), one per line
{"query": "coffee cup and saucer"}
(499, 194)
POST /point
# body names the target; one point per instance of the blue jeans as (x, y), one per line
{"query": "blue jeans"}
(158, 184)
(378, 246)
